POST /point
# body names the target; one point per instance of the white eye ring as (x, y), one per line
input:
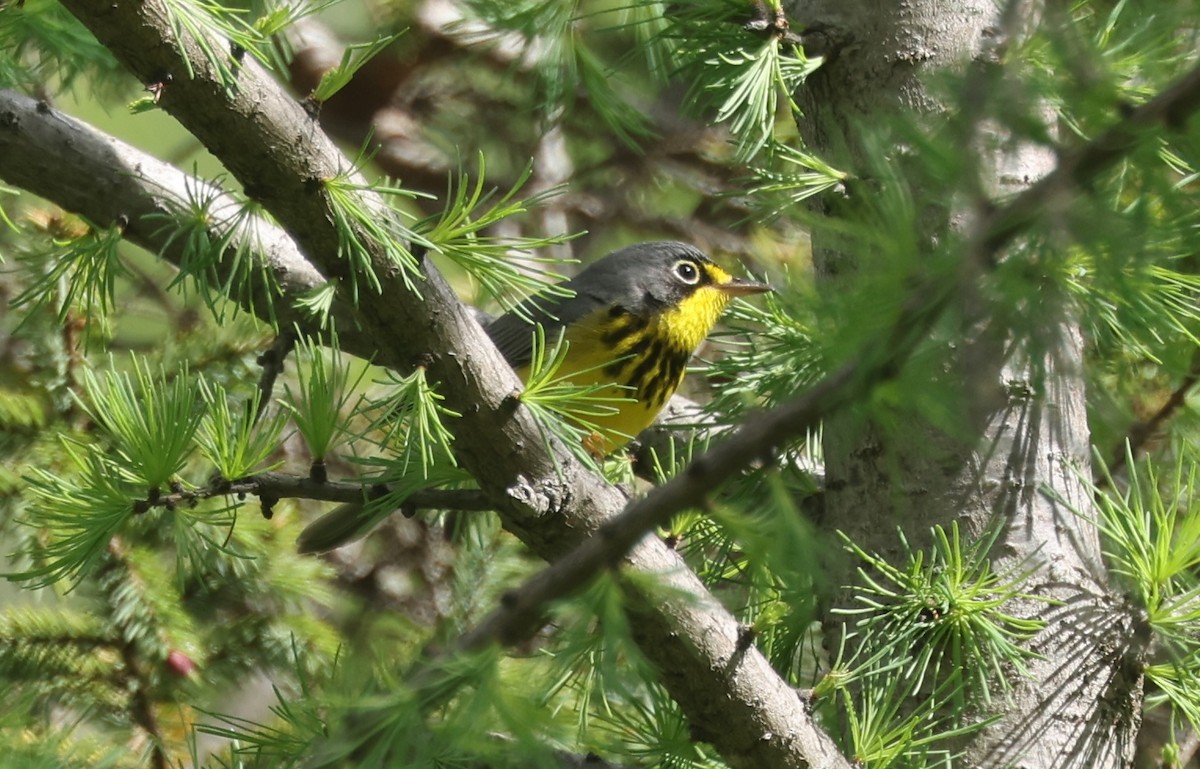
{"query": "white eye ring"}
(687, 271)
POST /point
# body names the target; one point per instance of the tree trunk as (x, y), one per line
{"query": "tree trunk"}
(1022, 456)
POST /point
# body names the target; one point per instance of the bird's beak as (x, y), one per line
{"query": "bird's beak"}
(743, 287)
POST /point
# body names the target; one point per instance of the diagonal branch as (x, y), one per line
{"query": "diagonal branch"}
(1170, 109)
(272, 146)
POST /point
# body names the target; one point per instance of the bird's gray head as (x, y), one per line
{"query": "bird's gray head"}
(648, 277)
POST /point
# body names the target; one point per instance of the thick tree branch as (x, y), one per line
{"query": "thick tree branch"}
(101, 178)
(271, 145)
(141, 42)
(990, 245)
(105, 180)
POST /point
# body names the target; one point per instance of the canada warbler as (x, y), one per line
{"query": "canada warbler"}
(631, 321)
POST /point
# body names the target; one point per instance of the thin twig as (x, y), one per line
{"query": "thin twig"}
(276, 486)
(1140, 432)
(272, 366)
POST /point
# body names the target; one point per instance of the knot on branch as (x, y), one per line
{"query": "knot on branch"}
(771, 22)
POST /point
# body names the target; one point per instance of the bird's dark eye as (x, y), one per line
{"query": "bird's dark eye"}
(687, 271)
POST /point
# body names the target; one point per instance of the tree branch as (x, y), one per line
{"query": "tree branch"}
(1141, 431)
(272, 366)
(64, 160)
(270, 144)
(276, 486)
(1076, 168)
(90, 173)
(101, 178)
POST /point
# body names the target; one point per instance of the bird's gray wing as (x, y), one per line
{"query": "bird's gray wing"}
(513, 332)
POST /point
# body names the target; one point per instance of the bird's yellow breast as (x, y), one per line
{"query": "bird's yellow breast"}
(637, 361)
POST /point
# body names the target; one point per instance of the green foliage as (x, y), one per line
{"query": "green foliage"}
(318, 302)
(75, 272)
(948, 616)
(236, 441)
(300, 723)
(41, 42)
(587, 666)
(878, 730)
(53, 748)
(736, 71)
(208, 24)
(786, 177)
(53, 647)
(775, 328)
(149, 431)
(273, 20)
(413, 425)
(569, 59)
(1152, 541)
(80, 513)
(461, 232)
(212, 231)
(150, 421)
(1111, 51)
(756, 549)
(126, 501)
(648, 23)
(1153, 536)
(932, 639)
(325, 387)
(353, 59)
(589, 684)
(22, 412)
(650, 728)
(361, 229)
(407, 427)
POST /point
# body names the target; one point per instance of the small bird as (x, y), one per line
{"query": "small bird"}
(632, 321)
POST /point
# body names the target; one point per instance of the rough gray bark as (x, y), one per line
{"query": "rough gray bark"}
(1025, 452)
